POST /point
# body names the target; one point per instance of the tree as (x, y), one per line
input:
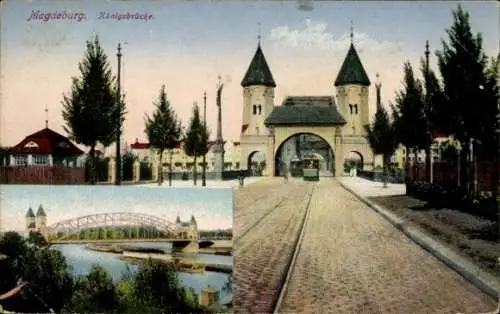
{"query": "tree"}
(94, 293)
(49, 284)
(382, 138)
(92, 111)
(37, 239)
(128, 160)
(164, 131)
(196, 138)
(409, 120)
(156, 289)
(462, 65)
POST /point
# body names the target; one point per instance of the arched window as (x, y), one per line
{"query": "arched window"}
(350, 108)
(355, 109)
(260, 109)
(353, 130)
(254, 109)
(257, 130)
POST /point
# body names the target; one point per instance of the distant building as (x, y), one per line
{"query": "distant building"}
(399, 157)
(188, 229)
(38, 222)
(44, 148)
(182, 162)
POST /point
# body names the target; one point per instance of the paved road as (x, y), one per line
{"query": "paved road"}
(350, 260)
(267, 222)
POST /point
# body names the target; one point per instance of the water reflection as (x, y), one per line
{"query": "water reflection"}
(81, 260)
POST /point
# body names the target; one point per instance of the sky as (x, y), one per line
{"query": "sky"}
(186, 45)
(212, 207)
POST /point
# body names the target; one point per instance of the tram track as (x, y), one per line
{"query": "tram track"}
(266, 248)
(253, 225)
(293, 259)
(281, 198)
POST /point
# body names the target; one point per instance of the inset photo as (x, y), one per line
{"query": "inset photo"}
(124, 249)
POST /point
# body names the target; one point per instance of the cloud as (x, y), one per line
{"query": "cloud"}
(315, 35)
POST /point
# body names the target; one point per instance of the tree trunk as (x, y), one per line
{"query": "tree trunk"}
(160, 168)
(407, 173)
(194, 170)
(464, 165)
(92, 171)
(170, 168)
(204, 174)
(428, 163)
(474, 158)
(385, 158)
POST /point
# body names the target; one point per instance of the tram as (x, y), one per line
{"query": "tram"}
(310, 168)
(307, 167)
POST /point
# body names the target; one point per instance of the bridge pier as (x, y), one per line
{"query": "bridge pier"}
(185, 246)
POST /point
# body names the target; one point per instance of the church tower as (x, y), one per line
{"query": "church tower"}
(258, 102)
(30, 220)
(352, 94)
(41, 221)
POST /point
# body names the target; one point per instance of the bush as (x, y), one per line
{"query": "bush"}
(145, 172)
(185, 176)
(441, 196)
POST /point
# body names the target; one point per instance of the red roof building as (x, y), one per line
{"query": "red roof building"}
(44, 148)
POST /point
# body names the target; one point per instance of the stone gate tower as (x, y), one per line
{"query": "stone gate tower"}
(352, 89)
(258, 102)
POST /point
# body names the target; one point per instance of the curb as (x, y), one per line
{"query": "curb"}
(482, 280)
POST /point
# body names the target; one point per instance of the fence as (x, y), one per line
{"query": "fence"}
(447, 173)
(56, 174)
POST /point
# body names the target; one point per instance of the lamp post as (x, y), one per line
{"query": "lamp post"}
(204, 174)
(118, 180)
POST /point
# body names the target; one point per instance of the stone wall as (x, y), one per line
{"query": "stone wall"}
(42, 175)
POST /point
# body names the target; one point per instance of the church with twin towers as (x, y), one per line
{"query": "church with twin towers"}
(328, 127)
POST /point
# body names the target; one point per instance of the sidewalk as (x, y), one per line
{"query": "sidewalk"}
(363, 189)
(367, 188)
(210, 183)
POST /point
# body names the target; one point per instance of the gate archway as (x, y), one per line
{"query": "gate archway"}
(353, 160)
(256, 163)
(301, 145)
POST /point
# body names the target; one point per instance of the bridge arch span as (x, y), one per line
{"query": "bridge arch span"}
(102, 220)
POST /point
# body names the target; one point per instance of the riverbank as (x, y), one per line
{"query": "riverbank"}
(119, 249)
(186, 264)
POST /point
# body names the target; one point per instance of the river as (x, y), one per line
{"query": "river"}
(80, 260)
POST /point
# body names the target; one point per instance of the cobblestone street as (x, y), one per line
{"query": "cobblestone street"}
(350, 261)
(262, 254)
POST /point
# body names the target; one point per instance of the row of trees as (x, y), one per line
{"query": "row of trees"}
(463, 103)
(115, 233)
(164, 133)
(93, 113)
(46, 285)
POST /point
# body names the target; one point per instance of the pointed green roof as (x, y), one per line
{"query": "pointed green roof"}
(178, 220)
(40, 212)
(258, 72)
(30, 213)
(193, 221)
(352, 71)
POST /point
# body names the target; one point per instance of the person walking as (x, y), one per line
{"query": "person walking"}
(285, 171)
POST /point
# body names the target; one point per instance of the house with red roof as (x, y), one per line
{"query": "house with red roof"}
(44, 148)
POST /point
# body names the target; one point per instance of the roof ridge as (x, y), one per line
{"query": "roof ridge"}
(258, 72)
(352, 70)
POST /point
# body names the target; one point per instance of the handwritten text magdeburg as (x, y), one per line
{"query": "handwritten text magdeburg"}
(37, 15)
